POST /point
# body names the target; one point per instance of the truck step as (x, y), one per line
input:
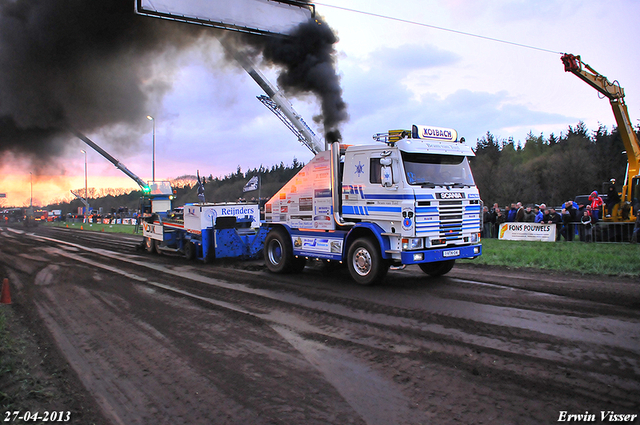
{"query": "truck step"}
(391, 234)
(392, 251)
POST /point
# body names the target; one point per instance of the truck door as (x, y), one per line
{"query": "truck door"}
(371, 187)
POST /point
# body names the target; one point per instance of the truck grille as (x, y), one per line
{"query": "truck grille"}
(450, 220)
(446, 220)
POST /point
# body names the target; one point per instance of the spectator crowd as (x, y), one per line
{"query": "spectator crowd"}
(570, 219)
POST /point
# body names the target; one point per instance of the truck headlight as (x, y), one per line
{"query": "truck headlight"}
(475, 238)
(409, 244)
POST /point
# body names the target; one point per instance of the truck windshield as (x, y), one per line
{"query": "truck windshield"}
(437, 170)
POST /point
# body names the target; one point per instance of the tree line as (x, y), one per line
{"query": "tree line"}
(226, 188)
(548, 170)
(551, 169)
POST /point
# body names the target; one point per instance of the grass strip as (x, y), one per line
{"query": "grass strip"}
(614, 259)
(96, 227)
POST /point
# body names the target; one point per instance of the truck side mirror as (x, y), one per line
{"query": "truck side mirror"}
(386, 175)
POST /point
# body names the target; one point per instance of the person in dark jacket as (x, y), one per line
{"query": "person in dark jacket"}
(612, 197)
(511, 213)
(585, 229)
(567, 222)
(519, 213)
(529, 215)
(499, 219)
(486, 223)
(493, 220)
(555, 218)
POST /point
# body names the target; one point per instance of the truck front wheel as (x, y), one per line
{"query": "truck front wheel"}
(365, 262)
(278, 252)
(438, 268)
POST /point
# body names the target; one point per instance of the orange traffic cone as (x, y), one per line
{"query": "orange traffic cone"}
(5, 298)
(81, 228)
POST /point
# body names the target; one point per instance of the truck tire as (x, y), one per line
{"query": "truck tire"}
(190, 251)
(149, 245)
(438, 268)
(278, 252)
(365, 262)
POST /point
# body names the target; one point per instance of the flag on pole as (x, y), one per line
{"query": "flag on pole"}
(251, 185)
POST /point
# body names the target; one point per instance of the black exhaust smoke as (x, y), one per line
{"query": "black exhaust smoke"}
(307, 62)
(89, 65)
(80, 63)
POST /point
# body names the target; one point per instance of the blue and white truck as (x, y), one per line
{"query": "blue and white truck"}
(409, 200)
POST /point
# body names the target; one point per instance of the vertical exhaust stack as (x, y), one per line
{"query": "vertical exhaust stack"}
(336, 185)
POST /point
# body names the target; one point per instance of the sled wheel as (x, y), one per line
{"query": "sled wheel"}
(149, 245)
(190, 251)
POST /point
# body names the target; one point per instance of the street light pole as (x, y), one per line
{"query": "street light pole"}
(86, 193)
(153, 164)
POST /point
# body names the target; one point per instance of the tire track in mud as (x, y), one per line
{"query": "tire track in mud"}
(363, 323)
(492, 344)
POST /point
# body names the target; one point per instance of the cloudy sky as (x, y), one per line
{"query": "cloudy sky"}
(393, 74)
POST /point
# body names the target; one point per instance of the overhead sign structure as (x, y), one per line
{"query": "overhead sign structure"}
(251, 16)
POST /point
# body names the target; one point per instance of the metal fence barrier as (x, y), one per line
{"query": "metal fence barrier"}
(578, 232)
(599, 232)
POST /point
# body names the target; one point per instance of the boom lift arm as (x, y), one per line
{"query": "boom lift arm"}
(615, 94)
(145, 187)
(83, 200)
(278, 103)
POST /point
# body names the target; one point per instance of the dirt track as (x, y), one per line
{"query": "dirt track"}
(157, 339)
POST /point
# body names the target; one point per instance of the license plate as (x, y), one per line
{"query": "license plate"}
(451, 253)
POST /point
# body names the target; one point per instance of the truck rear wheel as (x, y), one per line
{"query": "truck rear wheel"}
(365, 262)
(278, 252)
(438, 268)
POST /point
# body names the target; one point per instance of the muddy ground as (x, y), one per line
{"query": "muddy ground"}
(118, 336)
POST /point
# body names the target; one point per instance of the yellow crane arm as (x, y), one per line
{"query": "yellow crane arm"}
(615, 94)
